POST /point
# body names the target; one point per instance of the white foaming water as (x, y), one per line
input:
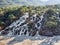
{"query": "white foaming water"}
(58, 17)
(19, 29)
(20, 21)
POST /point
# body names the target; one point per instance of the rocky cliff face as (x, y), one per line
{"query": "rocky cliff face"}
(47, 24)
(25, 25)
(51, 23)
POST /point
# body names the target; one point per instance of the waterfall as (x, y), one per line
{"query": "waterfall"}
(16, 28)
(38, 25)
(58, 16)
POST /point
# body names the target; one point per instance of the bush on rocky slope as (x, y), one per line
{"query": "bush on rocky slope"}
(50, 22)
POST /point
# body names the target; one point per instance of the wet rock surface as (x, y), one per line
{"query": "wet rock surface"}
(46, 24)
(24, 40)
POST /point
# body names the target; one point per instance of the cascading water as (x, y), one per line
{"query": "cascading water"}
(58, 16)
(20, 27)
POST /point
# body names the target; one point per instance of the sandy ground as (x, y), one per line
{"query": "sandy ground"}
(25, 42)
(58, 43)
(29, 42)
(6, 41)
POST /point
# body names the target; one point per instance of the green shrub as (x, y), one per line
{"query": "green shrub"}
(12, 16)
(51, 24)
(23, 9)
(50, 11)
(53, 18)
(2, 23)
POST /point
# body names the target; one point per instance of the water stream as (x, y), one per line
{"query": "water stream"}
(20, 26)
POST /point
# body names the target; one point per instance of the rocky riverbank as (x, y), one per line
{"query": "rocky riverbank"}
(20, 40)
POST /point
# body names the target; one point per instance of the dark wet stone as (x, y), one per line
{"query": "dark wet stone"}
(38, 24)
(17, 32)
(25, 32)
(4, 32)
(47, 33)
(32, 33)
(56, 32)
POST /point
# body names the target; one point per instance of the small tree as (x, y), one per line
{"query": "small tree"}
(51, 24)
(12, 16)
(50, 11)
(2, 23)
(53, 18)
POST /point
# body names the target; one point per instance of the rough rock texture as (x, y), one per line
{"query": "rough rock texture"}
(5, 40)
(29, 42)
(50, 24)
(38, 40)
